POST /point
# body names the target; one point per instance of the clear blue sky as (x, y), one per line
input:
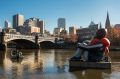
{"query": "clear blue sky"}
(76, 12)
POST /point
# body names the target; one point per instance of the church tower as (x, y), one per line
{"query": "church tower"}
(107, 24)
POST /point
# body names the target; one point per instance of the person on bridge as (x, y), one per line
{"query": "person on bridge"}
(96, 50)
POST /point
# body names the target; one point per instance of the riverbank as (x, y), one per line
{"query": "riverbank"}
(114, 48)
(69, 45)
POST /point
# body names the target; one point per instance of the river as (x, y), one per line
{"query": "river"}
(52, 64)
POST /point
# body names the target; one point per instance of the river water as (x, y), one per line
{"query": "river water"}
(52, 64)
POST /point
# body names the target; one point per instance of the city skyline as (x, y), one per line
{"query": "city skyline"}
(76, 12)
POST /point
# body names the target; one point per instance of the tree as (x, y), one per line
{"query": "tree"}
(114, 36)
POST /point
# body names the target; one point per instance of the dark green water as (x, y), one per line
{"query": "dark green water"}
(52, 64)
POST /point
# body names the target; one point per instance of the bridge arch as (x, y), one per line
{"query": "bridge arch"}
(23, 43)
(46, 44)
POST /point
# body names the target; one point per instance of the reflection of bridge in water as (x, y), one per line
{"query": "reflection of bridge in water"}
(23, 41)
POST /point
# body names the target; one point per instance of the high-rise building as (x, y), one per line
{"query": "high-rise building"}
(7, 24)
(107, 24)
(18, 21)
(41, 24)
(62, 23)
(30, 30)
(72, 30)
(32, 25)
(32, 22)
(72, 34)
(100, 25)
(63, 34)
(57, 31)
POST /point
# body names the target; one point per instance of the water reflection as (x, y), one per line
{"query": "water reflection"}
(50, 64)
(91, 74)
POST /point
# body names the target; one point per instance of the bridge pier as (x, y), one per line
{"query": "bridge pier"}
(3, 45)
(37, 46)
(36, 42)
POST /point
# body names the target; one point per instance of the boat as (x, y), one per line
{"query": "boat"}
(78, 64)
(15, 54)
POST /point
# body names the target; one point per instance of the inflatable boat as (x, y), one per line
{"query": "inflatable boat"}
(15, 54)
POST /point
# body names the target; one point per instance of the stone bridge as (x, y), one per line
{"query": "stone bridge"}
(23, 40)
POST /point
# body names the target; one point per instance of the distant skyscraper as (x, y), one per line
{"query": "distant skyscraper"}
(32, 25)
(62, 23)
(18, 21)
(35, 23)
(107, 24)
(72, 30)
(57, 31)
(100, 25)
(42, 26)
(32, 22)
(7, 24)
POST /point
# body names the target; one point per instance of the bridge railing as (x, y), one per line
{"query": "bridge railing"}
(46, 39)
(9, 37)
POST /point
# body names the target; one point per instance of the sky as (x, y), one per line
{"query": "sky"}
(76, 12)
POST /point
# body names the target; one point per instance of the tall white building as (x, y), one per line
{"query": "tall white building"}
(62, 23)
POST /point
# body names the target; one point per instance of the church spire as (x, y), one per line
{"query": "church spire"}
(107, 24)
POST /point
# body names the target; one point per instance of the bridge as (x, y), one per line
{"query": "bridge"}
(25, 41)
